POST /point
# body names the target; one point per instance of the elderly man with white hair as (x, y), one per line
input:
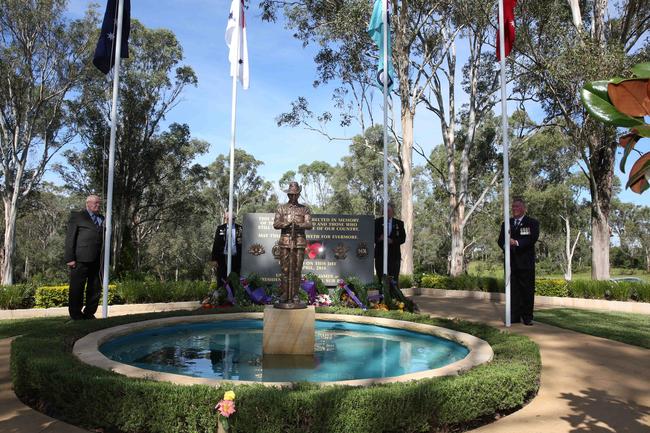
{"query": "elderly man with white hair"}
(83, 255)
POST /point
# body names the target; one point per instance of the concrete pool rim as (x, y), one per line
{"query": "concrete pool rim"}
(86, 349)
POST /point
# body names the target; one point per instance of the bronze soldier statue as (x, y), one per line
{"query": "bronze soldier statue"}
(293, 219)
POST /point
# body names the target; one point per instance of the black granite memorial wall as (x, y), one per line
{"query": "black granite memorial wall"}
(337, 246)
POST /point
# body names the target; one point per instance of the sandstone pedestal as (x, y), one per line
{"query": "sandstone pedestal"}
(289, 332)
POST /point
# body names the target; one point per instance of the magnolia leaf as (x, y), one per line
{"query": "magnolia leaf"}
(599, 88)
(638, 180)
(617, 80)
(631, 97)
(628, 141)
(605, 112)
(642, 70)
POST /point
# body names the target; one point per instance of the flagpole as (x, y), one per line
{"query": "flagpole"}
(233, 124)
(385, 80)
(506, 169)
(111, 159)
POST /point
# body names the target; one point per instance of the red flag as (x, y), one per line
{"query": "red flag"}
(509, 31)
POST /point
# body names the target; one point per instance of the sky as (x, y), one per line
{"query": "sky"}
(281, 70)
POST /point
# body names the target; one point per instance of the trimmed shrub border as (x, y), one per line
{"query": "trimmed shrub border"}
(87, 349)
(47, 375)
(540, 301)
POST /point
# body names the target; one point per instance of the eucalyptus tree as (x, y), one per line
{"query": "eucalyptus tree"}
(40, 233)
(631, 224)
(152, 81)
(317, 182)
(477, 184)
(251, 192)
(357, 181)
(560, 46)
(347, 55)
(43, 58)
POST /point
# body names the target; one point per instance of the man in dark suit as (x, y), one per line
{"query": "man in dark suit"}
(83, 254)
(396, 237)
(220, 249)
(524, 232)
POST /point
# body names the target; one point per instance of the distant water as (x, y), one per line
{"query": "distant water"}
(232, 350)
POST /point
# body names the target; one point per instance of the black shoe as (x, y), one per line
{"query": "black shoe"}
(90, 317)
(528, 322)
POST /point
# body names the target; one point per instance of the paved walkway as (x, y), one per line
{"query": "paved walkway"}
(588, 384)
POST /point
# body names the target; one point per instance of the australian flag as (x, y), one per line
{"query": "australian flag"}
(104, 58)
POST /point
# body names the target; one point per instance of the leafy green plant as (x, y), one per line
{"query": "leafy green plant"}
(57, 296)
(17, 296)
(589, 289)
(405, 281)
(551, 288)
(138, 292)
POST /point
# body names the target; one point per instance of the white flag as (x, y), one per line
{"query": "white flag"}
(237, 28)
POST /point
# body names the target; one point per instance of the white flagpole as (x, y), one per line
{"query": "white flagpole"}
(506, 169)
(385, 80)
(233, 123)
(111, 159)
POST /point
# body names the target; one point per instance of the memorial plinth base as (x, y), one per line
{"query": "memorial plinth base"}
(289, 332)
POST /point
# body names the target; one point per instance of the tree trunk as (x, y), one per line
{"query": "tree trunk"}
(9, 242)
(600, 8)
(457, 254)
(602, 156)
(600, 248)
(647, 260)
(406, 186)
(568, 254)
(26, 271)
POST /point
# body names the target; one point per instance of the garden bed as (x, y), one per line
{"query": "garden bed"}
(49, 377)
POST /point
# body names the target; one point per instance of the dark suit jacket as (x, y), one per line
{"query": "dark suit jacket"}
(522, 256)
(84, 239)
(220, 239)
(397, 234)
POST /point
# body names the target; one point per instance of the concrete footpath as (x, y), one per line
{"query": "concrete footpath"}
(588, 384)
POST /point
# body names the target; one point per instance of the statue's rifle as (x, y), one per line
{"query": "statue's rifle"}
(291, 260)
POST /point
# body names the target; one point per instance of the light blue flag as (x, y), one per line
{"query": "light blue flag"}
(376, 32)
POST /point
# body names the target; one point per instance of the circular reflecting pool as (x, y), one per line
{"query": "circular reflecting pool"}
(232, 350)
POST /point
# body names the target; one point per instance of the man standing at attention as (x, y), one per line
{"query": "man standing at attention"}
(524, 232)
(220, 249)
(396, 237)
(83, 255)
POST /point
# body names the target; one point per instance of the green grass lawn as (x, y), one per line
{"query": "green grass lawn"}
(479, 268)
(627, 328)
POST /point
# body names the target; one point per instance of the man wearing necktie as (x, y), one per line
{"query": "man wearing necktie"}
(524, 232)
(83, 256)
(220, 249)
(396, 237)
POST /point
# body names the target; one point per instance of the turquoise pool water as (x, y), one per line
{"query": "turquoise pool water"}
(232, 350)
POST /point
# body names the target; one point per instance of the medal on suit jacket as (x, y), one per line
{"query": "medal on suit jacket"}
(524, 231)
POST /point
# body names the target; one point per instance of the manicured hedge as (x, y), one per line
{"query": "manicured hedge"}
(130, 292)
(48, 376)
(57, 296)
(138, 292)
(610, 290)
